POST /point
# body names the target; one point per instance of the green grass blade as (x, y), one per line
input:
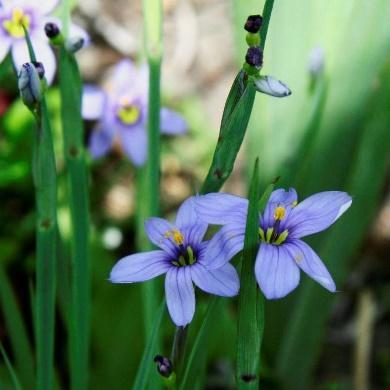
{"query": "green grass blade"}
(236, 91)
(229, 143)
(11, 370)
(251, 302)
(45, 183)
(298, 166)
(367, 178)
(143, 375)
(77, 176)
(16, 330)
(198, 352)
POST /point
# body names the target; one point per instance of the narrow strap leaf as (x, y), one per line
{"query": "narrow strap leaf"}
(77, 176)
(10, 368)
(251, 302)
(16, 330)
(143, 374)
(198, 353)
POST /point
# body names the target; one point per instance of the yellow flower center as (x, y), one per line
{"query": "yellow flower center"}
(279, 213)
(14, 25)
(128, 113)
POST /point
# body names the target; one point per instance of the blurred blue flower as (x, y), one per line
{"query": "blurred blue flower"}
(33, 15)
(282, 225)
(121, 110)
(182, 258)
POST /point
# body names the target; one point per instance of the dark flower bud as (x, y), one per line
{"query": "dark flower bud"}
(253, 23)
(40, 69)
(254, 57)
(51, 30)
(164, 366)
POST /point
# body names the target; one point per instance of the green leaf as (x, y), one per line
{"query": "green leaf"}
(143, 374)
(251, 302)
(366, 179)
(236, 91)
(11, 370)
(77, 176)
(229, 143)
(16, 330)
(198, 352)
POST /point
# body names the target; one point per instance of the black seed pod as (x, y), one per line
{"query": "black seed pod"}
(51, 30)
(253, 23)
(254, 57)
(164, 366)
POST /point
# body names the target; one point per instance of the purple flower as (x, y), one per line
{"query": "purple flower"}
(121, 110)
(33, 15)
(182, 257)
(282, 225)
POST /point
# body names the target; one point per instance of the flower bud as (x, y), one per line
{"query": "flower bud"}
(254, 57)
(164, 366)
(253, 23)
(74, 44)
(51, 30)
(29, 85)
(316, 61)
(271, 86)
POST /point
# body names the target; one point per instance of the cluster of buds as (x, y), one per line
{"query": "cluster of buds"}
(254, 55)
(254, 61)
(72, 44)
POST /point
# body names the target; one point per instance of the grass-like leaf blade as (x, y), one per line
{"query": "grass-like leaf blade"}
(77, 176)
(143, 374)
(251, 302)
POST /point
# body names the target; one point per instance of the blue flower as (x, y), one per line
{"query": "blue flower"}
(33, 15)
(121, 110)
(182, 256)
(282, 253)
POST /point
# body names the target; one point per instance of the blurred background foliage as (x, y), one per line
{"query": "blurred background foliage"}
(331, 134)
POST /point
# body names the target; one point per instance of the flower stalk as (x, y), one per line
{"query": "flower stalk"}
(45, 183)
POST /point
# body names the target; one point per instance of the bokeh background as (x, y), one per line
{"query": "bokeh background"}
(332, 133)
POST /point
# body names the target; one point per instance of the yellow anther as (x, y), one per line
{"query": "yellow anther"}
(279, 213)
(177, 237)
(14, 26)
(129, 114)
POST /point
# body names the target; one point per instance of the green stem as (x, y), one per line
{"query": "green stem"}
(178, 348)
(251, 302)
(77, 176)
(149, 177)
(44, 172)
(267, 11)
(45, 183)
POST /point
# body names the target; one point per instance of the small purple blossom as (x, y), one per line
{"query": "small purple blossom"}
(121, 110)
(33, 15)
(284, 222)
(182, 257)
